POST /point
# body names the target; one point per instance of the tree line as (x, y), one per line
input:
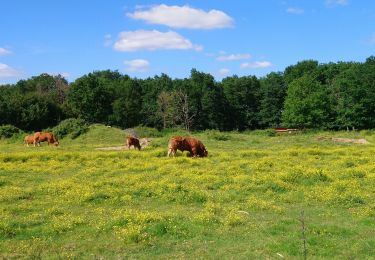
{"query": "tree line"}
(305, 95)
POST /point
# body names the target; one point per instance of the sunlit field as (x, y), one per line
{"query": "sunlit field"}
(244, 201)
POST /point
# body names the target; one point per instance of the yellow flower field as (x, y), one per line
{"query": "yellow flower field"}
(243, 201)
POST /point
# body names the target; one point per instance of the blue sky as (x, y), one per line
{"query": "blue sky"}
(146, 38)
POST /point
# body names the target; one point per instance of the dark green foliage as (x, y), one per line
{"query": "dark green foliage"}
(31, 112)
(143, 131)
(207, 98)
(307, 104)
(300, 69)
(306, 95)
(151, 89)
(90, 99)
(270, 132)
(70, 127)
(242, 97)
(127, 107)
(7, 131)
(273, 92)
(217, 135)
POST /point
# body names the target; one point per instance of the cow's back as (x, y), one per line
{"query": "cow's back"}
(46, 136)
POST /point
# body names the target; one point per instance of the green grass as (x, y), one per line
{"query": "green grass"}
(243, 201)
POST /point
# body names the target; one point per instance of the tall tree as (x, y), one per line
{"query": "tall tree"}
(272, 96)
(151, 88)
(307, 104)
(90, 99)
(302, 68)
(242, 95)
(127, 107)
(166, 108)
(184, 113)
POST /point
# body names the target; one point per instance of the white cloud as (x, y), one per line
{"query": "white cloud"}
(256, 65)
(137, 65)
(107, 40)
(4, 51)
(223, 72)
(7, 71)
(294, 10)
(183, 17)
(153, 40)
(232, 57)
(336, 2)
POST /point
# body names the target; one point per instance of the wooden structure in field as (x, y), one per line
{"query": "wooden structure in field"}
(286, 130)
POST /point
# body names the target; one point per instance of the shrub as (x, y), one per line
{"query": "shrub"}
(217, 135)
(265, 132)
(70, 127)
(270, 132)
(8, 131)
(175, 131)
(143, 131)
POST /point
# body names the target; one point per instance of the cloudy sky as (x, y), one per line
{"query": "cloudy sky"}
(146, 38)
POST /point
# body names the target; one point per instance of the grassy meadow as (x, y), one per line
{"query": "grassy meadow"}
(244, 201)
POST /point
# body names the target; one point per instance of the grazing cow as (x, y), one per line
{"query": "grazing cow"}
(29, 139)
(45, 136)
(191, 144)
(132, 141)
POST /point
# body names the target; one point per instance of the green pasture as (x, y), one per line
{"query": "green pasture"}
(245, 201)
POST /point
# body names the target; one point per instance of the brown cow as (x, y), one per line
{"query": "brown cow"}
(132, 141)
(191, 144)
(29, 139)
(45, 136)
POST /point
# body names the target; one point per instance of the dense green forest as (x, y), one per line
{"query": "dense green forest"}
(306, 95)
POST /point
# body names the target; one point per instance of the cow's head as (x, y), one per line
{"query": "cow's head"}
(55, 141)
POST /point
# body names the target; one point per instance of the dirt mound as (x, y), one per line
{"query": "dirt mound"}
(144, 142)
(131, 132)
(343, 140)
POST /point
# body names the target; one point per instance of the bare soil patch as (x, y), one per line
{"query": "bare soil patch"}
(343, 140)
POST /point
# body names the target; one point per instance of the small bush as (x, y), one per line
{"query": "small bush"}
(8, 131)
(265, 132)
(71, 127)
(270, 132)
(217, 135)
(175, 131)
(143, 131)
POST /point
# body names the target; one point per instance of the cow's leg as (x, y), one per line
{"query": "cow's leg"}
(172, 151)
